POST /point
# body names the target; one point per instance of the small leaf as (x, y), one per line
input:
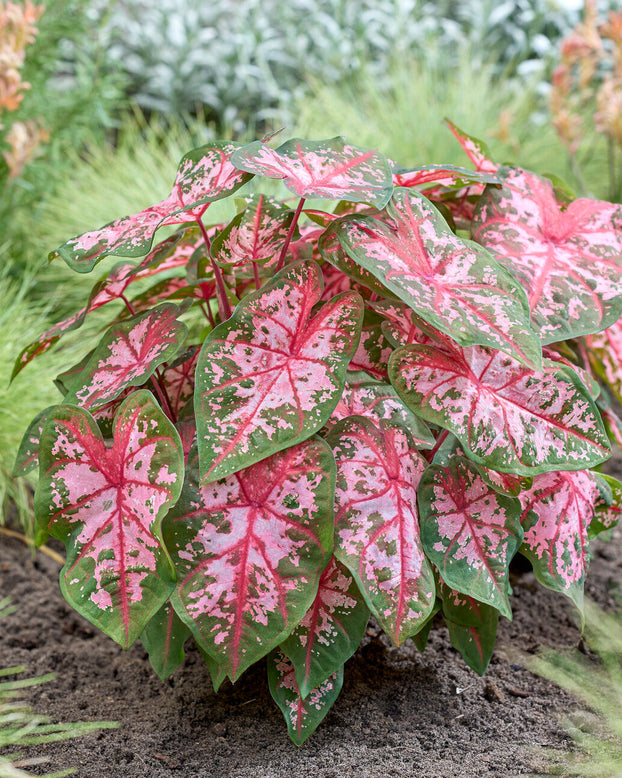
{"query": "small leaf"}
(475, 149)
(469, 531)
(163, 639)
(303, 716)
(271, 375)
(127, 355)
(607, 510)
(249, 550)
(506, 416)
(472, 628)
(106, 505)
(557, 511)
(453, 284)
(376, 523)
(569, 262)
(330, 631)
(330, 169)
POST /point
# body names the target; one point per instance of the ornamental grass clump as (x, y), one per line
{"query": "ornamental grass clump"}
(333, 405)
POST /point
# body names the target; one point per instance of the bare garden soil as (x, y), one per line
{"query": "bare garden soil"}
(401, 712)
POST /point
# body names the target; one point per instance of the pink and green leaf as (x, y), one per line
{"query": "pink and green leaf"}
(106, 505)
(475, 149)
(27, 458)
(163, 639)
(608, 507)
(453, 284)
(557, 512)
(302, 716)
(605, 354)
(469, 531)
(507, 417)
(330, 631)
(377, 526)
(127, 355)
(271, 375)
(249, 550)
(440, 175)
(472, 628)
(568, 261)
(329, 169)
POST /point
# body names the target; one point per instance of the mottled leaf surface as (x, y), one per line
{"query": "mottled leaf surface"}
(330, 169)
(605, 354)
(271, 375)
(608, 507)
(506, 416)
(330, 631)
(163, 639)
(127, 355)
(106, 505)
(376, 523)
(469, 531)
(557, 511)
(451, 283)
(27, 458)
(475, 149)
(568, 261)
(441, 175)
(249, 550)
(303, 716)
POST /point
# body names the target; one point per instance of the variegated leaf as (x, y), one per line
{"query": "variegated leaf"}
(271, 375)
(451, 283)
(608, 507)
(472, 628)
(475, 149)
(127, 355)
(373, 350)
(178, 379)
(441, 175)
(506, 416)
(605, 354)
(330, 169)
(568, 261)
(469, 531)
(302, 716)
(163, 639)
(557, 511)
(106, 505)
(373, 400)
(27, 458)
(249, 550)
(330, 631)
(256, 234)
(376, 523)
(203, 176)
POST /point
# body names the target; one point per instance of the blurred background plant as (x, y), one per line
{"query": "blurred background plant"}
(594, 677)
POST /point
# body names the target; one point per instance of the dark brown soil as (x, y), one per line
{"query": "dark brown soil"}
(401, 713)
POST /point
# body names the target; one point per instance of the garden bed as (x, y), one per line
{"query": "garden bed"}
(400, 713)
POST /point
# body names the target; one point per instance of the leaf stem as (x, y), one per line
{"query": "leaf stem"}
(224, 307)
(256, 274)
(290, 233)
(439, 442)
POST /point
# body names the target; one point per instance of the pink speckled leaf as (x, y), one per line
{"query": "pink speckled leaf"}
(568, 261)
(271, 375)
(376, 523)
(475, 149)
(608, 507)
(106, 505)
(256, 234)
(127, 355)
(249, 550)
(453, 284)
(163, 639)
(441, 175)
(506, 416)
(331, 169)
(557, 511)
(605, 355)
(203, 176)
(330, 631)
(303, 716)
(178, 379)
(373, 350)
(469, 531)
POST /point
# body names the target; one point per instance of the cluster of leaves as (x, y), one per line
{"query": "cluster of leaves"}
(307, 415)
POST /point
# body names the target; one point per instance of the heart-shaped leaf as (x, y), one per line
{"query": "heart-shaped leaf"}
(271, 375)
(557, 511)
(330, 631)
(127, 355)
(472, 627)
(249, 550)
(451, 283)
(330, 169)
(568, 261)
(256, 234)
(376, 523)
(506, 416)
(302, 716)
(469, 531)
(204, 175)
(163, 639)
(106, 505)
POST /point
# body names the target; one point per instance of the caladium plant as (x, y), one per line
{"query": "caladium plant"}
(332, 405)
